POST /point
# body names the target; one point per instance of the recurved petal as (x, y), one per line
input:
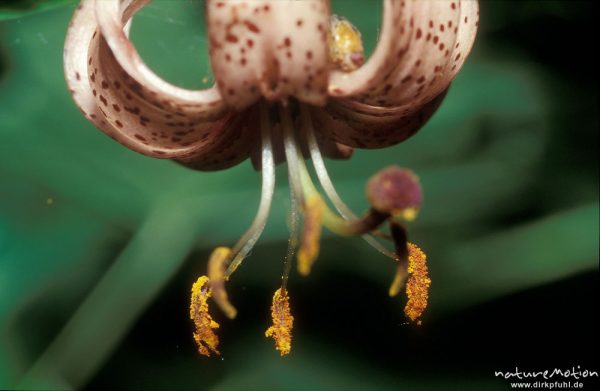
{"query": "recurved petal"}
(273, 49)
(361, 125)
(112, 16)
(235, 142)
(121, 96)
(421, 48)
(82, 28)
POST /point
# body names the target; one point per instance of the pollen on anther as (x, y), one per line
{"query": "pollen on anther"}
(205, 337)
(417, 286)
(283, 322)
(311, 235)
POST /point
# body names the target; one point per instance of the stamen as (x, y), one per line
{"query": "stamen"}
(327, 184)
(249, 239)
(205, 337)
(224, 261)
(216, 273)
(293, 217)
(311, 234)
(283, 322)
(417, 286)
(292, 156)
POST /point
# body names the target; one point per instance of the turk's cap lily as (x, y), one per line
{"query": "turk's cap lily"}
(273, 51)
(291, 82)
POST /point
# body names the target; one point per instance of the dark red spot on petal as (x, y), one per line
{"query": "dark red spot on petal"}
(251, 26)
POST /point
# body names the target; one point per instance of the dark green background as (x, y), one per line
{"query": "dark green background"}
(94, 283)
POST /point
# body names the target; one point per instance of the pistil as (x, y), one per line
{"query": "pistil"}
(327, 184)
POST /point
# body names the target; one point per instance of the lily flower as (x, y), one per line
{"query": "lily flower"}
(292, 82)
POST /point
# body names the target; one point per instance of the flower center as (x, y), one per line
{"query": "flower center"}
(394, 195)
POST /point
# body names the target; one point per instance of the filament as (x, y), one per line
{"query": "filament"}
(293, 217)
(292, 156)
(299, 177)
(251, 236)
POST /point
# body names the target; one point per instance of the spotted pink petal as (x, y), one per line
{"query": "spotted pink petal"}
(125, 99)
(273, 49)
(236, 140)
(422, 46)
(365, 126)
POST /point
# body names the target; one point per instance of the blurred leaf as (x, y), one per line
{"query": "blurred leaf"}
(126, 289)
(540, 252)
(13, 9)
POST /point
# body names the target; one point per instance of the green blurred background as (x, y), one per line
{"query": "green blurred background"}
(99, 245)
